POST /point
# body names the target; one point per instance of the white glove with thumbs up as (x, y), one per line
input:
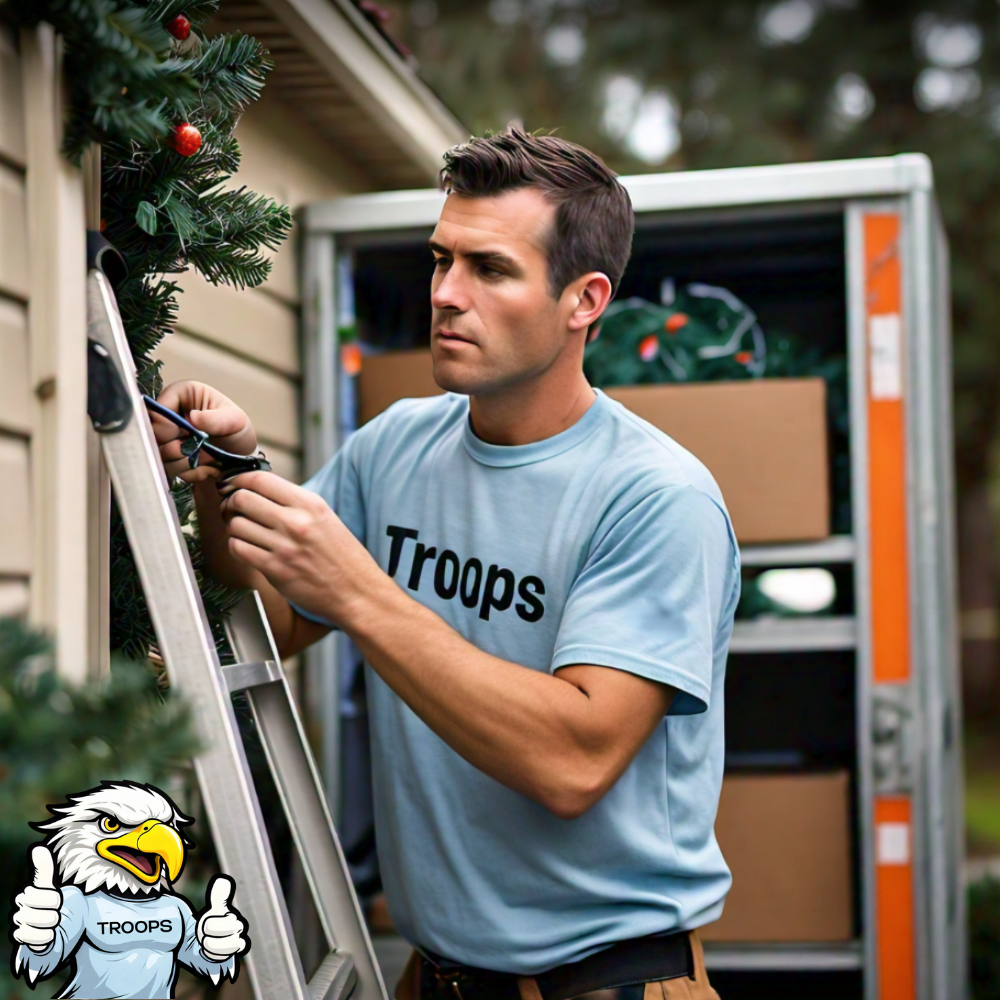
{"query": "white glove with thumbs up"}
(36, 912)
(221, 930)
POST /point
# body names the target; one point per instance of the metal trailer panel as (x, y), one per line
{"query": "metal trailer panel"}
(319, 434)
(837, 180)
(935, 606)
(954, 804)
(929, 704)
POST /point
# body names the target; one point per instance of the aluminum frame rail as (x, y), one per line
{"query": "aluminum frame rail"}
(143, 496)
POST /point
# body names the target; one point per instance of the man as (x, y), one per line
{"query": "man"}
(543, 588)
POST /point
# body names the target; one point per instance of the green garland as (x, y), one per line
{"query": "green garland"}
(130, 84)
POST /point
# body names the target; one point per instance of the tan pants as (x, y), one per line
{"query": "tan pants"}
(698, 988)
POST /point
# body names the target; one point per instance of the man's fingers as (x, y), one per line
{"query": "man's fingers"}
(210, 411)
(221, 422)
(253, 506)
(253, 555)
(181, 469)
(163, 429)
(245, 530)
(267, 484)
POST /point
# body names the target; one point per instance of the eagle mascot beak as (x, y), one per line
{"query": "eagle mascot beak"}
(144, 850)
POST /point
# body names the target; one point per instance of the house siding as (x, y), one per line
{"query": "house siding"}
(15, 377)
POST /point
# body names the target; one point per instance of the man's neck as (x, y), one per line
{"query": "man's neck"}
(531, 411)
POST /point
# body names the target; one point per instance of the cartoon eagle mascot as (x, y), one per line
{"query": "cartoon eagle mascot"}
(105, 902)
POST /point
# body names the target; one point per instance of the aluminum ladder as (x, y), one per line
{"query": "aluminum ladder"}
(349, 968)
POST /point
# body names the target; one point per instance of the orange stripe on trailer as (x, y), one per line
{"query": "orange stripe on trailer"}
(889, 568)
(886, 450)
(894, 898)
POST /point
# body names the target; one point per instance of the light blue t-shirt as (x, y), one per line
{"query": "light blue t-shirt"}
(607, 544)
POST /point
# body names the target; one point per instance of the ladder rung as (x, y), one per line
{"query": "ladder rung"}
(335, 978)
(240, 676)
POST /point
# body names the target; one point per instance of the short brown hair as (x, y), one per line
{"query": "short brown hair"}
(594, 219)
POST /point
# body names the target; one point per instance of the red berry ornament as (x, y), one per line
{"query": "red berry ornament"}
(676, 322)
(185, 139)
(649, 347)
(179, 27)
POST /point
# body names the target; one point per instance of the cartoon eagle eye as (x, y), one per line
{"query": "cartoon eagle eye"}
(108, 825)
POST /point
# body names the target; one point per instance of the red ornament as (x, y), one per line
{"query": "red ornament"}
(179, 27)
(649, 347)
(743, 357)
(185, 139)
(350, 359)
(676, 322)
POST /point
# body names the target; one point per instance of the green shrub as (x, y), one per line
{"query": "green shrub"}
(984, 938)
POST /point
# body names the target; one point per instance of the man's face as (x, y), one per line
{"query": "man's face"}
(494, 323)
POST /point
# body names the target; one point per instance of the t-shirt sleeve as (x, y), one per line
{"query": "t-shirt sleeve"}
(655, 596)
(339, 484)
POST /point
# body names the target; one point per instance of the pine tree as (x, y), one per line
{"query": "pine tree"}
(162, 99)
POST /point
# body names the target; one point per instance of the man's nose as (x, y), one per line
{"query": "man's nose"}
(449, 290)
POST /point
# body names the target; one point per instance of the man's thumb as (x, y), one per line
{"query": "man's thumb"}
(217, 422)
(220, 892)
(45, 867)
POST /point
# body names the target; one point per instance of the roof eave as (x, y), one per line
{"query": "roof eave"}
(375, 75)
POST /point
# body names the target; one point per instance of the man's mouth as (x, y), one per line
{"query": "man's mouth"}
(450, 336)
(146, 863)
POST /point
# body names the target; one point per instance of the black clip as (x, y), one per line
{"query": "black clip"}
(108, 403)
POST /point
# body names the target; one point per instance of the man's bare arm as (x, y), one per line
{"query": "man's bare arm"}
(562, 740)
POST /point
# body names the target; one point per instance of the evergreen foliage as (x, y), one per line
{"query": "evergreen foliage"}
(984, 939)
(129, 84)
(57, 739)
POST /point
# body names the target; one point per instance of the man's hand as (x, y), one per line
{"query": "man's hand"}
(298, 543)
(209, 410)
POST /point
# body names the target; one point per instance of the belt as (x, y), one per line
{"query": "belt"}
(639, 960)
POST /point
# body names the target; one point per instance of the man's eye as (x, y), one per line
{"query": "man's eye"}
(490, 272)
(108, 825)
(440, 261)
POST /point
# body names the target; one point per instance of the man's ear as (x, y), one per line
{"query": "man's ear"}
(589, 296)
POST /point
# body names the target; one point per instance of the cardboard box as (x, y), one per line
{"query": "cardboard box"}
(787, 841)
(764, 441)
(386, 378)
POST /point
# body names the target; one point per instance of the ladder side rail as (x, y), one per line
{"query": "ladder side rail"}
(301, 791)
(188, 649)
